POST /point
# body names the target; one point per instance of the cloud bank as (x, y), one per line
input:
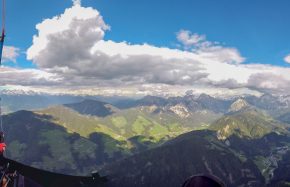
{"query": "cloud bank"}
(70, 53)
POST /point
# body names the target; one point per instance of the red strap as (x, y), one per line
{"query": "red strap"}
(2, 147)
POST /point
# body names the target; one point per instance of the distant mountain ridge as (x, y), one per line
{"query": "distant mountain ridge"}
(275, 105)
(192, 103)
(93, 108)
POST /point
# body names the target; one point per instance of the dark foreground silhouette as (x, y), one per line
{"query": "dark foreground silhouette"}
(203, 181)
(20, 175)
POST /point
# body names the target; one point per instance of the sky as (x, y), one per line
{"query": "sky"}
(126, 47)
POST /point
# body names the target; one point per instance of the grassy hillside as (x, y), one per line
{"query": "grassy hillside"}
(125, 124)
(237, 161)
(61, 139)
(189, 154)
(249, 123)
(136, 143)
(35, 140)
(81, 137)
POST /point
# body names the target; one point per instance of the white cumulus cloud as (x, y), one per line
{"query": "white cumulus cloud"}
(287, 59)
(212, 50)
(189, 39)
(71, 50)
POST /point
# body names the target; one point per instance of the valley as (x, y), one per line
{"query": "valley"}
(171, 137)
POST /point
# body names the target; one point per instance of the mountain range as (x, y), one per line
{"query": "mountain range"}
(155, 141)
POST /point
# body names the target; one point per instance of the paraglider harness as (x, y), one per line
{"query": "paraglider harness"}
(6, 175)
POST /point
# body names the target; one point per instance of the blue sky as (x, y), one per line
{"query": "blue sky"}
(259, 29)
(149, 47)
